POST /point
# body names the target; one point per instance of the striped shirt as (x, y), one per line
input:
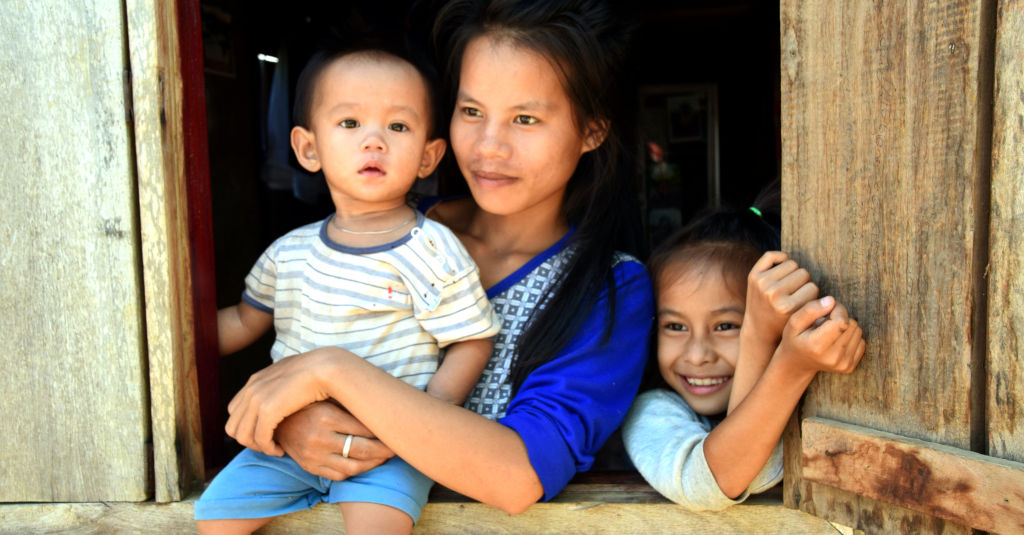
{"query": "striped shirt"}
(395, 305)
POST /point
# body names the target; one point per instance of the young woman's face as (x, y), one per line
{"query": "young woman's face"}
(513, 130)
(698, 321)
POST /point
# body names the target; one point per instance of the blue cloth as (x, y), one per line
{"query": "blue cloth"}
(567, 408)
(255, 485)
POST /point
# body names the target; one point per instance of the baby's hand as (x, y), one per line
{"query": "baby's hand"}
(822, 337)
(776, 287)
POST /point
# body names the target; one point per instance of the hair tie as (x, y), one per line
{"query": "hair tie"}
(756, 212)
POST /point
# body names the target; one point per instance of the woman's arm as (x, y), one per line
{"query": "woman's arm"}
(579, 399)
(738, 448)
(453, 446)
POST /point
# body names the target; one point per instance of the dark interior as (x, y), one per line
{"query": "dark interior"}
(706, 72)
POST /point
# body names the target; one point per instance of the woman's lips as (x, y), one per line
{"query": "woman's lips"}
(492, 180)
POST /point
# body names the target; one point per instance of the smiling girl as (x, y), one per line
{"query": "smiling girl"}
(739, 335)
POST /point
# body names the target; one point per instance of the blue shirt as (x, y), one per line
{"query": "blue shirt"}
(568, 407)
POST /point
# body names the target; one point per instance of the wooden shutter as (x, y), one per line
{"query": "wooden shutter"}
(897, 198)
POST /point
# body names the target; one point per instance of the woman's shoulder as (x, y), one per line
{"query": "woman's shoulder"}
(630, 273)
(628, 264)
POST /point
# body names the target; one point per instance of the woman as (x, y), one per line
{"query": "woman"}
(533, 135)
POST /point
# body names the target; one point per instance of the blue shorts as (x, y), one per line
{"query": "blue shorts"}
(255, 485)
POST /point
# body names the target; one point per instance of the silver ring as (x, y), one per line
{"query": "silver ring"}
(348, 445)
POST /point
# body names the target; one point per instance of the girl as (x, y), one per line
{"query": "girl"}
(729, 342)
(533, 135)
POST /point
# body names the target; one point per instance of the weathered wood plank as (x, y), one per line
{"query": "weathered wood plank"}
(881, 178)
(74, 414)
(878, 163)
(159, 149)
(1006, 271)
(968, 488)
(563, 516)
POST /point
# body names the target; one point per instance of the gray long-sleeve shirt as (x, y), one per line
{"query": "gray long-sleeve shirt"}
(665, 440)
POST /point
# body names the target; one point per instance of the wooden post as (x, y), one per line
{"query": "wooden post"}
(74, 412)
(1006, 269)
(163, 212)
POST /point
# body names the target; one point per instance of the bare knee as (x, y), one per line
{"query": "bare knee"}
(231, 526)
(372, 518)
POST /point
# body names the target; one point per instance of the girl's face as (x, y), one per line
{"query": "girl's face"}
(698, 321)
(513, 130)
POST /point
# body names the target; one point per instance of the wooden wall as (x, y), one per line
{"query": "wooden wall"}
(74, 416)
(902, 193)
(1006, 270)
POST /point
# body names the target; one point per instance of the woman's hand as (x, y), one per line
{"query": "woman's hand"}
(315, 438)
(821, 337)
(274, 393)
(776, 288)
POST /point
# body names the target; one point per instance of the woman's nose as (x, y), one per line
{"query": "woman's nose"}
(492, 142)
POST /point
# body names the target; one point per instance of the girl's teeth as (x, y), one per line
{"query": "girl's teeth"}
(705, 381)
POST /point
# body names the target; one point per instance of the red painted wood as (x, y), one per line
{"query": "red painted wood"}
(200, 227)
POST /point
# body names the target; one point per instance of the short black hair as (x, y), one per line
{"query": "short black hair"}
(305, 87)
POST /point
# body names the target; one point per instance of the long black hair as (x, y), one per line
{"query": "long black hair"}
(587, 42)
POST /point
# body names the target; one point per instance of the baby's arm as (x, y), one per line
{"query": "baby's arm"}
(240, 325)
(818, 337)
(776, 287)
(460, 370)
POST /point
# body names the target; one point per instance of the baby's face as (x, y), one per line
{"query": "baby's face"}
(370, 120)
(698, 322)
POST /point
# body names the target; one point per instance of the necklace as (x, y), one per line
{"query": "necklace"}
(385, 231)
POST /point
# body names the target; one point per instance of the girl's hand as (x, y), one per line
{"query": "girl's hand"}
(776, 288)
(822, 337)
(271, 395)
(315, 438)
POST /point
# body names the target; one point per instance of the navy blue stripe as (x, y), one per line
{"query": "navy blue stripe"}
(520, 273)
(256, 304)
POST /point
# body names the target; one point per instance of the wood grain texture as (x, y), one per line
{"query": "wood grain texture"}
(73, 420)
(163, 202)
(880, 175)
(1006, 269)
(878, 154)
(563, 517)
(975, 490)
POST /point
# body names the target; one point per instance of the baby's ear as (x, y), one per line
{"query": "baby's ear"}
(303, 143)
(432, 153)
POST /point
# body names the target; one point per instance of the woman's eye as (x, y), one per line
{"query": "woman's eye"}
(471, 112)
(726, 326)
(525, 120)
(671, 326)
(349, 123)
(398, 127)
